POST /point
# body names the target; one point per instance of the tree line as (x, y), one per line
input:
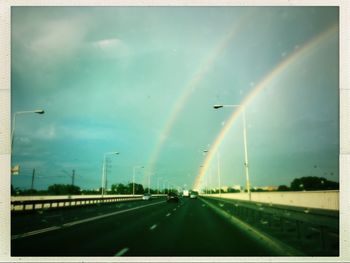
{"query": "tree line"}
(68, 189)
(308, 183)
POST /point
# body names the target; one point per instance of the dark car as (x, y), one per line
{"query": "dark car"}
(194, 195)
(172, 197)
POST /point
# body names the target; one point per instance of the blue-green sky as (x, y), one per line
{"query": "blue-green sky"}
(109, 78)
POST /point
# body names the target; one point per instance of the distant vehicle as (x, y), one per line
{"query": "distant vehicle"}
(172, 197)
(194, 195)
(147, 197)
(185, 193)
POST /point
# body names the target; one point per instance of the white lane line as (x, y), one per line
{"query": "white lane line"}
(78, 222)
(174, 209)
(168, 214)
(153, 227)
(51, 216)
(121, 252)
(35, 232)
(106, 215)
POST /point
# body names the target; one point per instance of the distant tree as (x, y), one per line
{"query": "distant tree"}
(119, 189)
(152, 191)
(138, 188)
(63, 189)
(232, 190)
(313, 183)
(90, 192)
(283, 188)
(258, 190)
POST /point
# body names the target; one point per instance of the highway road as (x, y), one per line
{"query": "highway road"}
(147, 228)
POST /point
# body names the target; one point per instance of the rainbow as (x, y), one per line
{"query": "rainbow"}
(191, 87)
(274, 73)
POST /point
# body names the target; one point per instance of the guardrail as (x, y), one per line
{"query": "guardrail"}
(50, 202)
(309, 199)
(312, 231)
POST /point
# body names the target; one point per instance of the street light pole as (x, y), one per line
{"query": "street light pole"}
(149, 182)
(104, 171)
(206, 177)
(14, 121)
(158, 183)
(244, 142)
(218, 157)
(33, 176)
(246, 154)
(133, 178)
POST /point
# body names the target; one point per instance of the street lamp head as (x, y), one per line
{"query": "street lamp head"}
(40, 111)
(205, 151)
(116, 152)
(217, 106)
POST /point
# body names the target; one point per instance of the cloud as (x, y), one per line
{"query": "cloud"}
(84, 133)
(79, 132)
(110, 48)
(25, 140)
(47, 132)
(41, 45)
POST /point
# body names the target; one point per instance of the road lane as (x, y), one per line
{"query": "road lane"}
(40, 219)
(195, 230)
(189, 228)
(102, 237)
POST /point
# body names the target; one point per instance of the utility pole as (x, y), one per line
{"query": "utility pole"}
(73, 174)
(33, 175)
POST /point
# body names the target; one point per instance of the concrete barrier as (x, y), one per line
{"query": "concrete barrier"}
(54, 197)
(308, 199)
(23, 203)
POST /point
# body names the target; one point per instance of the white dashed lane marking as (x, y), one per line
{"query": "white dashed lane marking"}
(153, 227)
(168, 214)
(174, 209)
(121, 252)
(35, 232)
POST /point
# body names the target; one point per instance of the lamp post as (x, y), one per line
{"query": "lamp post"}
(218, 157)
(103, 176)
(14, 121)
(244, 142)
(166, 182)
(149, 182)
(206, 178)
(133, 178)
(158, 183)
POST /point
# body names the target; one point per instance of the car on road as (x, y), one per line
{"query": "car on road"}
(172, 197)
(147, 197)
(185, 193)
(194, 195)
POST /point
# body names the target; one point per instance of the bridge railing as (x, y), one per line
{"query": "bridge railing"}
(25, 203)
(328, 199)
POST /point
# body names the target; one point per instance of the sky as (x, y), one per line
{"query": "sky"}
(142, 81)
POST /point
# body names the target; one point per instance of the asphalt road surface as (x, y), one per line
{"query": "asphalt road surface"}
(148, 228)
